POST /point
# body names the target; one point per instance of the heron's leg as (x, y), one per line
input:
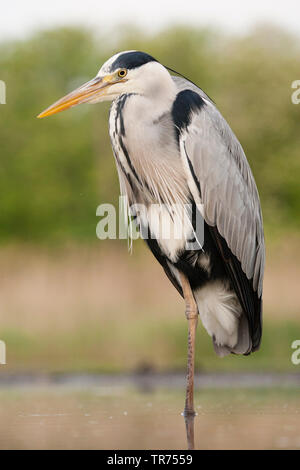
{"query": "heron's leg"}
(189, 425)
(191, 311)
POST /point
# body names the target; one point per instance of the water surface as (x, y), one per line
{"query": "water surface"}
(124, 417)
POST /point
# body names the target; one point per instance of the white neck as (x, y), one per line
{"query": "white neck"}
(156, 89)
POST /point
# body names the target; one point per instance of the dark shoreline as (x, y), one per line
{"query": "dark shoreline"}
(150, 380)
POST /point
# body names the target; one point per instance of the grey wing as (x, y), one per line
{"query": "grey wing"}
(221, 180)
(228, 191)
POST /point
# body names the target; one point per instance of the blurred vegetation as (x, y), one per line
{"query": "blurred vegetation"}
(55, 172)
(141, 345)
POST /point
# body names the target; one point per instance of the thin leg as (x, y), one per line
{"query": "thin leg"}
(189, 425)
(191, 311)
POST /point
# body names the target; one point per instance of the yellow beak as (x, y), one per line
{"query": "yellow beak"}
(88, 92)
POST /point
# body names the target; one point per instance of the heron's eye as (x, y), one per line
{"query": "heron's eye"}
(122, 73)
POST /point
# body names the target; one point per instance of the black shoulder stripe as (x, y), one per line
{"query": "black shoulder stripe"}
(185, 103)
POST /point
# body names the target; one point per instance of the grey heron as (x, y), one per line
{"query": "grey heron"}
(173, 148)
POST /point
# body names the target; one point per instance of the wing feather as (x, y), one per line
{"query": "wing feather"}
(230, 200)
(228, 189)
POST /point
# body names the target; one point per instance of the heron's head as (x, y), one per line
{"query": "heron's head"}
(126, 72)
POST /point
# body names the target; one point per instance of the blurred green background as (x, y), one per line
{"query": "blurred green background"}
(71, 302)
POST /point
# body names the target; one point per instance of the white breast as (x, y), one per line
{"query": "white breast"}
(156, 173)
(170, 226)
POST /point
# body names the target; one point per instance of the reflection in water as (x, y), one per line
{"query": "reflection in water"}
(189, 425)
(66, 417)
